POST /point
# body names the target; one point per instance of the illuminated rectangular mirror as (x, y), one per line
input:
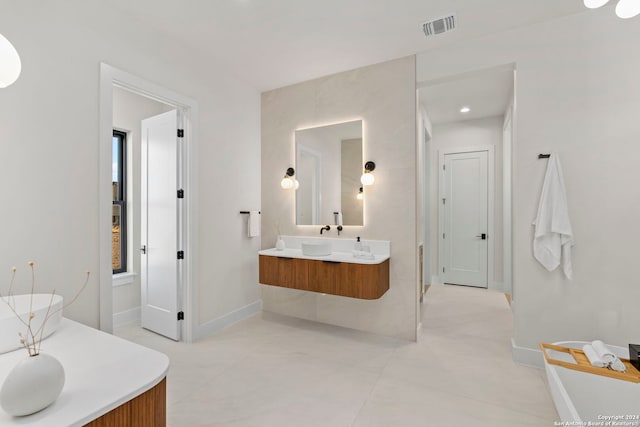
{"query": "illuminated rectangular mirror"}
(328, 169)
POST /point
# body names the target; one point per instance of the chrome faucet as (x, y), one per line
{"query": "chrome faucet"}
(326, 227)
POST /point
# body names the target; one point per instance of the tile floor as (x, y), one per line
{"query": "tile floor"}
(270, 370)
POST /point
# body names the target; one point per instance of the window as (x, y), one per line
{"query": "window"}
(119, 208)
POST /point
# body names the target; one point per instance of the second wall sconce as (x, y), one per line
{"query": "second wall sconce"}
(360, 194)
(367, 177)
(288, 181)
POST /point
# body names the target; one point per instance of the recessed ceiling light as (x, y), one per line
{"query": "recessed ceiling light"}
(465, 110)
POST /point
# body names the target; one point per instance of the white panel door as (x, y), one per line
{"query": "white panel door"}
(465, 210)
(159, 225)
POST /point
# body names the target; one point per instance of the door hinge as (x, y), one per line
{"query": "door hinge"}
(181, 194)
(443, 269)
(180, 254)
(181, 315)
(444, 201)
(444, 167)
(180, 133)
(443, 235)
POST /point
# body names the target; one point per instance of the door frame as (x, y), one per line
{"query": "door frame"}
(110, 77)
(508, 127)
(490, 149)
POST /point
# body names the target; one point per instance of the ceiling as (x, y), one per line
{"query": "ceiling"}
(274, 43)
(486, 93)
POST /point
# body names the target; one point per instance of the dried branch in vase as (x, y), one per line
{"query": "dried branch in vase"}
(33, 338)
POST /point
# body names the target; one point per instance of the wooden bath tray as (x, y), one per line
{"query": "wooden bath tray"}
(583, 364)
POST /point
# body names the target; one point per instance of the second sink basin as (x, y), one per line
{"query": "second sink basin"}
(316, 248)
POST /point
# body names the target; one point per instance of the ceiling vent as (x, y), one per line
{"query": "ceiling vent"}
(440, 25)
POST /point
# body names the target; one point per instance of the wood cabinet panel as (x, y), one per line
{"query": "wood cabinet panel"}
(147, 410)
(268, 270)
(364, 281)
(323, 276)
(285, 272)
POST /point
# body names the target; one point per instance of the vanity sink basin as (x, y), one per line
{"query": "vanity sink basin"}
(316, 248)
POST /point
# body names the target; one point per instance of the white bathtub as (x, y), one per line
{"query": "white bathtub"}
(10, 325)
(581, 397)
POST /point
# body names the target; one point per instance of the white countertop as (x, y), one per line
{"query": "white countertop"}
(334, 257)
(102, 372)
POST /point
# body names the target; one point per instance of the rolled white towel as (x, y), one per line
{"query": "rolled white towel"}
(604, 353)
(593, 357)
(617, 365)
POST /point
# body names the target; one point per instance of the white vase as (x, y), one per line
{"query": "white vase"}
(32, 385)
(280, 244)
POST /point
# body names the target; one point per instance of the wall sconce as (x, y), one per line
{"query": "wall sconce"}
(367, 177)
(10, 65)
(360, 195)
(288, 181)
(624, 9)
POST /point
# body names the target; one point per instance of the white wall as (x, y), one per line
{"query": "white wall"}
(389, 139)
(462, 135)
(577, 93)
(49, 130)
(128, 111)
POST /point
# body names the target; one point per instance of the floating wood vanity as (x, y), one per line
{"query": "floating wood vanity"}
(338, 274)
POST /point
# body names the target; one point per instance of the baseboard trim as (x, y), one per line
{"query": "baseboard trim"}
(526, 356)
(127, 316)
(215, 325)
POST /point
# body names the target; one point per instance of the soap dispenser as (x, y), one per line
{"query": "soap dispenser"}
(358, 244)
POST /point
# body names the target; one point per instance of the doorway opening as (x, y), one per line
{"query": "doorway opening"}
(156, 288)
(465, 127)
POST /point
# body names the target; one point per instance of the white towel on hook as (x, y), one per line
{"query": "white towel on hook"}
(339, 218)
(253, 225)
(553, 236)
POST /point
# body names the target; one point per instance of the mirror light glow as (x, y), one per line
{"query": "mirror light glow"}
(328, 162)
